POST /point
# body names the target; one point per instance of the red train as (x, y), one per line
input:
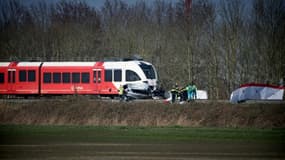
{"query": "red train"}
(63, 78)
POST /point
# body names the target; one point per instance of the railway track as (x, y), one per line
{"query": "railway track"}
(103, 99)
(117, 100)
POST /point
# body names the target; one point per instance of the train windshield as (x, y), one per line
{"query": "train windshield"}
(148, 70)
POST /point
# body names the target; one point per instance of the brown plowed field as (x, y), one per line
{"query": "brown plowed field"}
(191, 151)
(81, 111)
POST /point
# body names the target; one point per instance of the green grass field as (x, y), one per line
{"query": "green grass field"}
(115, 142)
(18, 134)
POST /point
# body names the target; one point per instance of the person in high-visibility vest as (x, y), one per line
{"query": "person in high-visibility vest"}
(121, 92)
(189, 92)
(194, 91)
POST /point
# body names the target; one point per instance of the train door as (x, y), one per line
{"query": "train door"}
(97, 79)
(11, 80)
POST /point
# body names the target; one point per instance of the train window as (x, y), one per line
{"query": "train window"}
(85, 77)
(31, 75)
(11, 76)
(47, 77)
(99, 76)
(2, 78)
(132, 76)
(117, 75)
(56, 77)
(95, 76)
(66, 77)
(76, 77)
(108, 75)
(148, 71)
(22, 75)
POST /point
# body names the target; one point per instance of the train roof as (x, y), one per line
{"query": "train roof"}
(20, 64)
(29, 64)
(117, 63)
(63, 64)
(4, 64)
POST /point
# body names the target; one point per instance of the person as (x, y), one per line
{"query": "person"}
(183, 94)
(121, 92)
(194, 91)
(189, 92)
(125, 92)
(174, 93)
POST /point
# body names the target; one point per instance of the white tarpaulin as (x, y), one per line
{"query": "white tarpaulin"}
(201, 94)
(257, 92)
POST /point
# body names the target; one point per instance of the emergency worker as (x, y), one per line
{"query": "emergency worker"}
(189, 92)
(183, 94)
(125, 92)
(121, 92)
(174, 93)
(194, 91)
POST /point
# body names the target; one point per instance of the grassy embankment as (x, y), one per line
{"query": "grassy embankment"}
(154, 114)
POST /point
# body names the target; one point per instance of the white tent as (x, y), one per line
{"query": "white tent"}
(255, 91)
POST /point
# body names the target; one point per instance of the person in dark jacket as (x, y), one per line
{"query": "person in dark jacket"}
(174, 93)
(125, 92)
(183, 94)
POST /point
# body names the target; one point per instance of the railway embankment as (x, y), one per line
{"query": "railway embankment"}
(81, 111)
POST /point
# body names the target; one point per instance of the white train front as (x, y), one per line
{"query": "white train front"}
(140, 76)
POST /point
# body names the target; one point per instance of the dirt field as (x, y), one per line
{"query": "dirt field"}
(170, 143)
(193, 151)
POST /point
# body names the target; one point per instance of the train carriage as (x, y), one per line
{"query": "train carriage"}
(71, 78)
(19, 78)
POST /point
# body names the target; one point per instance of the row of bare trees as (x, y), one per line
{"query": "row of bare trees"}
(217, 45)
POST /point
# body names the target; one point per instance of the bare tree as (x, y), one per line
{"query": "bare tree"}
(232, 24)
(269, 24)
